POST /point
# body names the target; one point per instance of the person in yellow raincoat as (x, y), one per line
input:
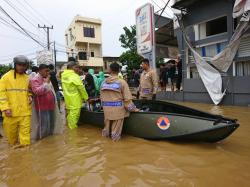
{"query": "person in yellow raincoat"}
(15, 103)
(74, 93)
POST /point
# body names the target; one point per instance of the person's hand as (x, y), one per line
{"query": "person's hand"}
(30, 99)
(8, 113)
(136, 110)
(47, 79)
(154, 97)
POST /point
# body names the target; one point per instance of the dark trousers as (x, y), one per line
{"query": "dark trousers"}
(178, 82)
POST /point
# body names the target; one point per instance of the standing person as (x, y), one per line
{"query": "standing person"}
(148, 81)
(90, 85)
(74, 93)
(92, 73)
(101, 78)
(15, 103)
(117, 102)
(163, 77)
(54, 82)
(137, 76)
(171, 72)
(45, 103)
(179, 69)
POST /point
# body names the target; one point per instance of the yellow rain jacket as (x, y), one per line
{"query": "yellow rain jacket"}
(73, 90)
(14, 94)
(74, 94)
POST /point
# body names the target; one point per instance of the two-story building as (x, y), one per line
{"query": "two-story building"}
(210, 25)
(84, 41)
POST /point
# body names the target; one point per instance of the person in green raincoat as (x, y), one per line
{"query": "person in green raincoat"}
(92, 72)
(101, 78)
(74, 93)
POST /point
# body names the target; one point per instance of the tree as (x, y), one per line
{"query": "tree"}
(4, 69)
(128, 41)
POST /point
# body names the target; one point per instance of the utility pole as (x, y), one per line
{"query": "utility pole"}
(55, 54)
(48, 28)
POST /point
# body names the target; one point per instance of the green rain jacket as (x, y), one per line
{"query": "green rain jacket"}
(101, 78)
(92, 72)
(73, 90)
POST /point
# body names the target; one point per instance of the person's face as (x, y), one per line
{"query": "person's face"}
(144, 66)
(44, 72)
(76, 69)
(21, 68)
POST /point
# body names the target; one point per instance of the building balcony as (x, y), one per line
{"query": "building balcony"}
(92, 62)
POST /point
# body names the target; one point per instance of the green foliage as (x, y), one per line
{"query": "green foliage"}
(132, 59)
(4, 69)
(128, 41)
(159, 61)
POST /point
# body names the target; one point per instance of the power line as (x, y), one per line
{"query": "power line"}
(10, 58)
(6, 23)
(20, 26)
(13, 37)
(160, 8)
(37, 12)
(48, 28)
(10, 25)
(32, 14)
(161, 12)
(19, 52)
(21, 13)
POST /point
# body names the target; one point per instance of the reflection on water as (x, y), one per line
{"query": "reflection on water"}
(83, 158)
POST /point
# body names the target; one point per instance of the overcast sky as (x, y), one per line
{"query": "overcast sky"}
(115, 14)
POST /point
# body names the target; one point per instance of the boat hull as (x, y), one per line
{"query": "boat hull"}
(169, 126)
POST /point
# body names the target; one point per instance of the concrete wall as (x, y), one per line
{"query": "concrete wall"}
(88, 44)
(238, 88)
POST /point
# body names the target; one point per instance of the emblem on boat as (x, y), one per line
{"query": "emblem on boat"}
(163, 123)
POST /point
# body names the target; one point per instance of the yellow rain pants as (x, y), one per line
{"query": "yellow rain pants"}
(74, 95)
(14, 96)
(73, 116)
(15, 127)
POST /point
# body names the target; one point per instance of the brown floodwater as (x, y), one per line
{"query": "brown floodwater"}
(83, 158)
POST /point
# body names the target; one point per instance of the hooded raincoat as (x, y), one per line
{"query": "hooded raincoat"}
(92, 72)
(74, 95)
(101, 78)
(14, 95)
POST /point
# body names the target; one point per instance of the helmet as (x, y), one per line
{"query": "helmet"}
(21, 59)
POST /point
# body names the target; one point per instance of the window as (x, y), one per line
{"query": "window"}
(89, 32)
(67, 41)
(82, 55)
(243, 68)
(92, 54)
(210, 28)
(216, 26)
(71, 35)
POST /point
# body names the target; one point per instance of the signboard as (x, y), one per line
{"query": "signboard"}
(145, 32)
(44, 57)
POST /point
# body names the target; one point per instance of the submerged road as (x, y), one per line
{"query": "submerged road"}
(83, 158)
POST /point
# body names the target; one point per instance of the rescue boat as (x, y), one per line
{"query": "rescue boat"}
(160, 120)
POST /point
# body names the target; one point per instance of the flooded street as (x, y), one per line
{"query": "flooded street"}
(83, 158)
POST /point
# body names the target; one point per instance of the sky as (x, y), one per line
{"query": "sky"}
(115, 14)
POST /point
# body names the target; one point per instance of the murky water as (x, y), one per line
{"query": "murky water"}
(83, 158)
